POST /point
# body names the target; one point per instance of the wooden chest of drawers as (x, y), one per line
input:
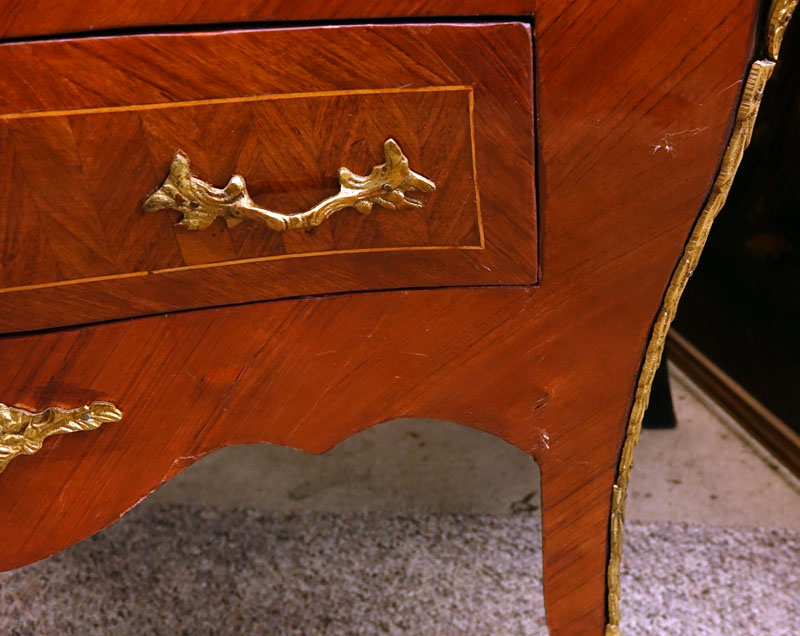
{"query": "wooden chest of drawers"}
(220, 227)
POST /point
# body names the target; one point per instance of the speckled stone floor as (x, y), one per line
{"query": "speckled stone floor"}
(421, 527)
(195, 570)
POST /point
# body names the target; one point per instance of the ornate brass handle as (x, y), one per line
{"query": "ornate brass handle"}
(200, 202)
(23, 432)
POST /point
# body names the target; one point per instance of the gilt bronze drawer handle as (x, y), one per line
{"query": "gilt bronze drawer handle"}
(201, 203)
(23, 432)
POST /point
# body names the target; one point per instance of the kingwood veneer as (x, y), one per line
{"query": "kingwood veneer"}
(536, 316)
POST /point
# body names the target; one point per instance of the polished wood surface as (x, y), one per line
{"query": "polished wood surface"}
(635, 103)
(310, 373)
(41, 17)
(92, 133)
(289, 151)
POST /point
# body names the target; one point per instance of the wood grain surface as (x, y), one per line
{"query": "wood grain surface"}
(635, 103)
(42, 17)
(69, 174)
(88, 128)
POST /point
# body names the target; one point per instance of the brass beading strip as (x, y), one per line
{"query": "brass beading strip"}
(760, 72)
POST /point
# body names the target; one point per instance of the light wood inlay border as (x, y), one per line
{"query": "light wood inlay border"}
(231, 100)
(260, 98)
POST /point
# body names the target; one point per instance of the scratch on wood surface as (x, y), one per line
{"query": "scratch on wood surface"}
(237, 378)
(375, 327)
(541, 403)
(667, 141)
(177, 466)
(727, 88)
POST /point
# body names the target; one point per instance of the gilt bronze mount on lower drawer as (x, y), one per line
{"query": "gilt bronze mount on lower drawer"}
(23, 432)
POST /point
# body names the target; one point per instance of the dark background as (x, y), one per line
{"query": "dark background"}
(742, 306)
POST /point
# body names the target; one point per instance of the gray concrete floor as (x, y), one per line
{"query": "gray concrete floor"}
(706, 471)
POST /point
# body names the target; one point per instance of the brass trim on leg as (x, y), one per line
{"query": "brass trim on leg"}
(760, 72)
(779, 15)
(23, 432)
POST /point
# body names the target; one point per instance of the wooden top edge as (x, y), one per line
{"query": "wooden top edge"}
(43, 18)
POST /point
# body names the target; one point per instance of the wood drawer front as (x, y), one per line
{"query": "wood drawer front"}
(88, 128)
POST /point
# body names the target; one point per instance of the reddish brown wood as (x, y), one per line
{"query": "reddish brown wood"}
(72, 183)
(289, 150)
(41, 17)
(551, 368)
(308, 374)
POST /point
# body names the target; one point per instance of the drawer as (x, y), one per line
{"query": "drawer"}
(151, 173)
